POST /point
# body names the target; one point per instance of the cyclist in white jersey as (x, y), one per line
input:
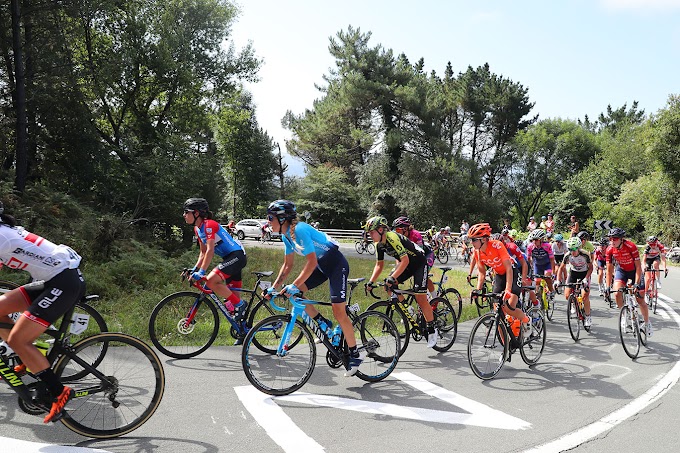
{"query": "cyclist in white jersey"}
(57, 285)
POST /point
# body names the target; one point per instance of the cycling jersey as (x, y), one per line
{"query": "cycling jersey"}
(415, 237)
(493, 256)
(224, 243)
(20, 249)
(559, 248)
(398, 246)
(542, 254)
(515, 254)
(599, 254)
(625, 255)
(308, 240)
(578, 263)
(654, 249)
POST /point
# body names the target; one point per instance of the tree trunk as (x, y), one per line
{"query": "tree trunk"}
(19, 102)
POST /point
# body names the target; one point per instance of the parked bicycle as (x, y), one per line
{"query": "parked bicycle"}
(118, 381)
(493, 340)
(631, 323)
(450, 294)
(409, 319)
(362, 246)
(185, 324)
(284, 355)
(576, 315)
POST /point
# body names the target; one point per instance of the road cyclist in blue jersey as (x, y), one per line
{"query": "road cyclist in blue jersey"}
(213, 239)
(323, 261)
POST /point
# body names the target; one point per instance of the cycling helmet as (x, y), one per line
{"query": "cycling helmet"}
(583, 235)
(505, 231)
(512, 233)
(401, 222)
(448, 228)
(574, 243)
(375, 222)
(496, 236)
(604, 242)
(649, 239)
(282, 210)
(536, 234)
(196, 204)
(479, 230)
(616, 233)
(559, 237)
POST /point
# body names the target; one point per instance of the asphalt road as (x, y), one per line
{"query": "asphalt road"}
(585, 397)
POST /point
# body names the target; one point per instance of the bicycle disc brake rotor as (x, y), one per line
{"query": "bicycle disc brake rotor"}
(184, 327)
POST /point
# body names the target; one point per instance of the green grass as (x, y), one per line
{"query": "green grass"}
(133, 284)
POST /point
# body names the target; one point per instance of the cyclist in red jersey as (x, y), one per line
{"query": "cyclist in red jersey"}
(492, 253)
(628, 268)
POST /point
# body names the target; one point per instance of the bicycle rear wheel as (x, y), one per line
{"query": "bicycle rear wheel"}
(453, 296)
(487, 346)
(573, 317)
(377, 335)
(370, 248)
(400, 321)
(276, 374)
(359, 247)
(178, 333)
(533, 341)
(654, 298)
(445, 322)
(131, 393)
(629, 331)
(442, 256)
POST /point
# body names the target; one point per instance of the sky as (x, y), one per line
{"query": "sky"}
(574, 56)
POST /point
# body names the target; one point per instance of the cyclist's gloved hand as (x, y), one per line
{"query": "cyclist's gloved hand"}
(370, 285)
(607, 290)
(391, 282)
(640, 286)
(268, 293)
(507, 295)
(469, 278)
(476, 292)
(292, 290)
(199, 274)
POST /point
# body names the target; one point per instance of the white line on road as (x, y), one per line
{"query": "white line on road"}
(576, 438)
(35, 447)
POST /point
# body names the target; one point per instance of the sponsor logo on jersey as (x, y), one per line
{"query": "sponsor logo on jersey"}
(22, 252)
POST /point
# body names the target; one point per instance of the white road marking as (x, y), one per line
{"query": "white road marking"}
(291, 438)
(35, 447)
(576, 438)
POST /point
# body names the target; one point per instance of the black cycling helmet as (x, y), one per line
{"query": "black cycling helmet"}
(604, 242)
(282, 210)
(616, 233)
(196, 204)
(583, 235)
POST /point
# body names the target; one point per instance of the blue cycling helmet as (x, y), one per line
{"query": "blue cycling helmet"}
(282, 210)
(559, 237)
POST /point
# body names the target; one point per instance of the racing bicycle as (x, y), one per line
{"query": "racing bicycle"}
(576, 315)
(632, 330)
(362, 246)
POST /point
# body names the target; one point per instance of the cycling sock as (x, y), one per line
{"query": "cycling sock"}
(54, 386)
(353, 352)
(234, 300)
(430, 326)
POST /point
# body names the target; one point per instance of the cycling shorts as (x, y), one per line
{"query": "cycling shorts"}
(559, 259)
(332, 266)
(499, 282)
(230, 268)
(542, 269)
(602, 264)
(48, 301)
(626, 276)
(419, 274)
(649, 262)
(575, 275)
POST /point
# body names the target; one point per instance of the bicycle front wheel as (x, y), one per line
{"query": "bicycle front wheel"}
(454, 298)
(264, 310)
(377, 335)
(272, 373)
(445, 322)
(487, 346)
(399, 319)
(128, 395)
(629, 330)
(573, 318)
(442, 256)
(533, 341)
(359, 247)
(184, 325)
(370, 248)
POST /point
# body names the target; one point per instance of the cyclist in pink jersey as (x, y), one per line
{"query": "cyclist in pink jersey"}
(57, 285)
(628, 269)
(540, 255)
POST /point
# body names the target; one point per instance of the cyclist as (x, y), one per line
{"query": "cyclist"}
(213, 239)
(517, 257)
(654, 253)
(464, 227)
(403, 226)
(599, 258)
(628, 268)
(323, 261)
(579, 266)
(57, 285)
(492, 253)
(411, 262)
(540, 255)
(559, 249)
(230, 227)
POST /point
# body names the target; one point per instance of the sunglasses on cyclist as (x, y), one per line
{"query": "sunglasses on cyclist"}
(187, 211)
(270, 218)
(475, 239)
